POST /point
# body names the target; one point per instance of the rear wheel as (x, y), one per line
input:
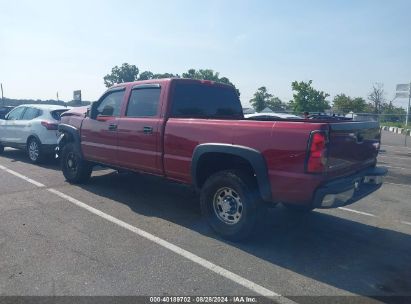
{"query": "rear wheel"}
(75, 169)
(34, 150)
(231, 204)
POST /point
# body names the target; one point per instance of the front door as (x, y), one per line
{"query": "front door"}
(8, 133)
(99, 131)
(23, 124)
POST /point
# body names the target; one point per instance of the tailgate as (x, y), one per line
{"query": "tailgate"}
(352, 146)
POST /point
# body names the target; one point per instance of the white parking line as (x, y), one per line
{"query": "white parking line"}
(401, 147)
(406, 223)
(22, 177)
(369, 214)
(394, 157)
(176, 249)
(355, 211)
(394, 167)
(402, 185)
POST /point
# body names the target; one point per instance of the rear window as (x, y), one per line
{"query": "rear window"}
(203, 101)
(57, 113)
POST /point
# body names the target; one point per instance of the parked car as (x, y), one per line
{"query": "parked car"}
(270, 116)
(194, 132)
(32, 128)
(324, 116)
(4, 110)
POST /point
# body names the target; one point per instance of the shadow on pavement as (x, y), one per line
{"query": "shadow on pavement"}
(348, 255)
(15, 155)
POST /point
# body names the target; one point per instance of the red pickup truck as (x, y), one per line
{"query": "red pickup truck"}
(194, 132)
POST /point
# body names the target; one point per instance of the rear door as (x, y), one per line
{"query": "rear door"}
(139, 130)
(99, 131)
(353, 146)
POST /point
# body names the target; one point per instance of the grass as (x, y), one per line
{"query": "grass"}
(393, 124)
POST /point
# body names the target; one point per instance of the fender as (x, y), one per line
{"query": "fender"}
(254, 157)
(71, 132)
(32, 135)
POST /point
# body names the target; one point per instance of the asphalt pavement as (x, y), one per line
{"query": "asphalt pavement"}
(128, 234)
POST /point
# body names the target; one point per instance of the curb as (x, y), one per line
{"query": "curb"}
(396, 130)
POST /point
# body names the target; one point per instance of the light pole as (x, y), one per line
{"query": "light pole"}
(403, 91)
(408, 114)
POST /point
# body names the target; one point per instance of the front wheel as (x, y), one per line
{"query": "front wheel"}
(231, 204)
(75, 169)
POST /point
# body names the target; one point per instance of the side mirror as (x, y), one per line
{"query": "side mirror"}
(92, 111)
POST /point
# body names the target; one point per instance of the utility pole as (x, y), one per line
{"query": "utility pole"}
(2, 98)
(408, 114)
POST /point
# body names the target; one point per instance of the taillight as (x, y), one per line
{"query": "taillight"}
(317, 152)
(49, 125)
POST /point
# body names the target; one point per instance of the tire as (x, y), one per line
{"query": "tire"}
(237, 191)
(75, 169)
(298, 209)
(34, 150)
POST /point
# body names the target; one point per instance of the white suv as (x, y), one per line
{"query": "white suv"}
(32, 128)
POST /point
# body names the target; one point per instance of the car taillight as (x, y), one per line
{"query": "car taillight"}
(49, 125)
(317, 152)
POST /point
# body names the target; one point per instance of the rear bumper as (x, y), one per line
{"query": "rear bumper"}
(348, 190)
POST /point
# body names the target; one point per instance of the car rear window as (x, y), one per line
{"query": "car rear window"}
(206, 101)
(57, 113)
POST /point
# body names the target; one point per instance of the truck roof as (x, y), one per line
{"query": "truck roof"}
(164, 80)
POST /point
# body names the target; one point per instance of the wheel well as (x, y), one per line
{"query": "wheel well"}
(30, 137)
(211, 163)
(66, 139)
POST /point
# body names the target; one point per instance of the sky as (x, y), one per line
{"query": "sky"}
(344, 46)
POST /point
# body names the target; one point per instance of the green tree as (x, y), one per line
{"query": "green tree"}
(306, 98)
(261, 99)
(208, 74)
(146, 75)
(344, 104)
(150, 75)
(277, 105)
(165, 75)
(125, 73)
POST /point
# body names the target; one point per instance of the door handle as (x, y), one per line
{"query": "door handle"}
(147, 130)
(112, 127)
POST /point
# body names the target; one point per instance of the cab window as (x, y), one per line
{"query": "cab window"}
(143, 102)
(111, 104)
